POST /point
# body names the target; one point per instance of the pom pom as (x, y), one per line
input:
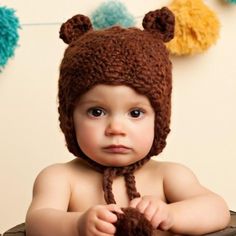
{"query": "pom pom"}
(111, 13)
(9, 36)
(231, 1)
(196, 29)
(132, 223)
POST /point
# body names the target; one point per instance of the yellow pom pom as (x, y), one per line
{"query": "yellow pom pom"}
(197, 27)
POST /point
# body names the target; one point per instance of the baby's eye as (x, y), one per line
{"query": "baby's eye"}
(96, 112)
(136, 113)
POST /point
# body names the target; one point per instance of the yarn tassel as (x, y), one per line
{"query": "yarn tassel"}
(131, 222)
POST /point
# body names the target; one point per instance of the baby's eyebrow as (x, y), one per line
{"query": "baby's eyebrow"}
(97, 101)
(138, 104)
(91, 101)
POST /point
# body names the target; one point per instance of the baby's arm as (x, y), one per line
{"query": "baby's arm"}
(195, 209)
(48, 214)
(191, 208)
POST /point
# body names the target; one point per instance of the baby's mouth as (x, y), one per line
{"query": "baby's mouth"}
(117, 149)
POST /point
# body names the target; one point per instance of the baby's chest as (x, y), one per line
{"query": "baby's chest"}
(88, 192)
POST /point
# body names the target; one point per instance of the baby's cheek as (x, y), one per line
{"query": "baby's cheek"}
(86, 136)
(144, 141)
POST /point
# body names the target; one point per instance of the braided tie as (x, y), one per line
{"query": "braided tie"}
(108, 177)
(131, 186)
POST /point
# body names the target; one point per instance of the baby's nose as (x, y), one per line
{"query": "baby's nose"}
(115, 126)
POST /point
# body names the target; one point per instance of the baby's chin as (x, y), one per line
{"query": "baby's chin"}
(119, 163)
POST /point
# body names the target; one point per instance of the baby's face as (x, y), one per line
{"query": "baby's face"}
(114, 125)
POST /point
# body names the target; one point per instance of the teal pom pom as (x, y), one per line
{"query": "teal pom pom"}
(9, 36)
(111, 13)
(232, 1)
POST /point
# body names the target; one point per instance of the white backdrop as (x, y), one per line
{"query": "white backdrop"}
(204, 99)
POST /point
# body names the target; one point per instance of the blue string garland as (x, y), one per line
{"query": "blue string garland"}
(9, 36)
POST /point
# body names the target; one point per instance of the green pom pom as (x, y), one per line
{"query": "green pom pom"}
(9, 36)
(232, 1)
(111, 13)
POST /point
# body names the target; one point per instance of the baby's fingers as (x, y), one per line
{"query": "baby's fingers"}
(167, 223)
(142, 205)
(106, 213)
(105, 227)
(162, 221)
(107, 216)
(135, 202)
(115, 208)
(156, 219)
(150, 212)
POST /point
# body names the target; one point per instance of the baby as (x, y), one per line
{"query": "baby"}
(114, 110)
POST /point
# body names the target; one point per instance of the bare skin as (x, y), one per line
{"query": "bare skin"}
(81, 210)
(68, 198)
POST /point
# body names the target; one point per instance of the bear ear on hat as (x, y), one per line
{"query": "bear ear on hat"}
(161, 21)
(74, 28)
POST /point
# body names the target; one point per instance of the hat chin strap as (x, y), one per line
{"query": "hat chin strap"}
(109, 174)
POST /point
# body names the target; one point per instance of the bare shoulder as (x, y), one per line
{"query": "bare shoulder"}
(54, 168)
(168, 169)
(53, 171)
(174, 173)
(52, 187)
(60, 170)
(179, 181)
(50, 178)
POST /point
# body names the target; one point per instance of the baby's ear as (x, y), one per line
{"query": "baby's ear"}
(74, 28)
(161, 21)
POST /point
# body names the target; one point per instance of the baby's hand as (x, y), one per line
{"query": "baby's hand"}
(98, 220)
(155, 210)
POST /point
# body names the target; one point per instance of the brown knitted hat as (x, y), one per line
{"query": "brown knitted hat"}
(116, 56)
